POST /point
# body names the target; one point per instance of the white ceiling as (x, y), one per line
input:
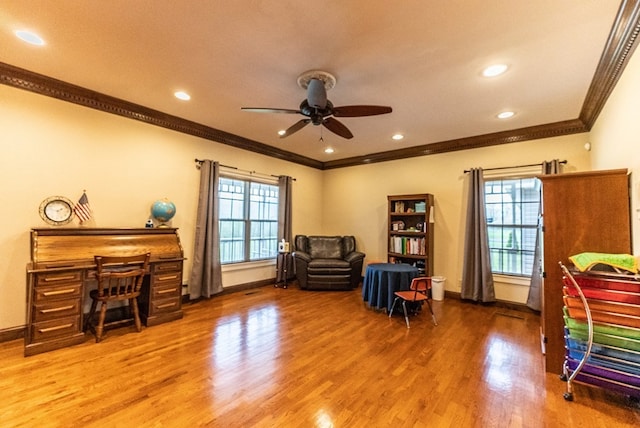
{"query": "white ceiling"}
(422, 58)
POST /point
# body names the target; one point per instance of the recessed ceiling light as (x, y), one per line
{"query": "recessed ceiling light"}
(397, 137)
(181, 95)
(282, 132)
(505, 115)
(494, 70)
(30, 37)
(328, 150)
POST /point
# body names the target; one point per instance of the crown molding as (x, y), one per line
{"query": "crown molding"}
(619, 47)
(567, 127)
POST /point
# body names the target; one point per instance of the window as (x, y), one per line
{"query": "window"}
(248, 220)
(512, 206)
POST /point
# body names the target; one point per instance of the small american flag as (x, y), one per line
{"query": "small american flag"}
(82, 208)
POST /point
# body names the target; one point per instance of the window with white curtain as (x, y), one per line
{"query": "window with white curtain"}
(512, 206)
(248, 213)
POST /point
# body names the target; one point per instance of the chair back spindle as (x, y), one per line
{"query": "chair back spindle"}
(119, 278)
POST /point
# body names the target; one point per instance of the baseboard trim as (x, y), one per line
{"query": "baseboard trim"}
(498, 303)
(238, 288)
(12, 333)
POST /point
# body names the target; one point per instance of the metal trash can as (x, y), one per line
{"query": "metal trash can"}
(437, 287)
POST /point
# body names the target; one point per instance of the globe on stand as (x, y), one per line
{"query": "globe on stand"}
(163, 211)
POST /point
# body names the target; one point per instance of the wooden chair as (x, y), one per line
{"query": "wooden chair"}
(119, 278)
(418, 293)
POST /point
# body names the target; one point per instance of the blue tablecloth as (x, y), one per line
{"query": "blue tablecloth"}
(381, 280)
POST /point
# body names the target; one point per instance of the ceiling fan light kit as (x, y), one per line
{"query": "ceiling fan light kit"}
(318, 110)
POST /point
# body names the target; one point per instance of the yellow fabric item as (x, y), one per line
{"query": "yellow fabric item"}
(584, 261)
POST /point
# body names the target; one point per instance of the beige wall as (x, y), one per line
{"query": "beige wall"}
(615, 137)
(356, 198)
(56, 148)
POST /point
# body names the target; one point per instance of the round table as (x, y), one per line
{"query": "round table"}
(381, 280)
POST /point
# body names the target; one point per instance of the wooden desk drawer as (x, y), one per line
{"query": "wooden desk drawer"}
(67, 291)
(168, 267)
(54, 278)
(167, 278)
(165, 305)
(46, 330)
(165, 291)
(52, 309)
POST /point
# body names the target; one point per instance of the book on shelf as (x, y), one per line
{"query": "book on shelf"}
(407, 245)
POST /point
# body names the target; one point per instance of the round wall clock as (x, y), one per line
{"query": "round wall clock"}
(56, 210)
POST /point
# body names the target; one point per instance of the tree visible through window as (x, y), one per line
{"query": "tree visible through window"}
(512, 206)
(248, 220)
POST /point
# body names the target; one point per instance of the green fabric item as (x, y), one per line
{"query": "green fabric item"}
(604, 334)
(584, 261)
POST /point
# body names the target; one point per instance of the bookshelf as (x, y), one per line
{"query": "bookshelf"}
(410, 231)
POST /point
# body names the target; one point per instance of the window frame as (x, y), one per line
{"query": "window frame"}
(520, 231)
(248, 221)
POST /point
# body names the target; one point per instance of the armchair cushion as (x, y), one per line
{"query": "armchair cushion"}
(326, 247)
(328, 267)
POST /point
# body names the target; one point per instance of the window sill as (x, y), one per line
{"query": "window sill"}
(248, 265)
(521, 281)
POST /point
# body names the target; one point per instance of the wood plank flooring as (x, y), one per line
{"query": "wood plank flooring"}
(290, 358)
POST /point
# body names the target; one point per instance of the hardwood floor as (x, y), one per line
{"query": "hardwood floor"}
(290, 358)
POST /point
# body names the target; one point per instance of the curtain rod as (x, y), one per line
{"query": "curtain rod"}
(514, 167)
(199, 162)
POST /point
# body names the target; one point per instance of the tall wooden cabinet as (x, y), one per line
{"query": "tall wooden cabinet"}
(410, 231)
(582, 212)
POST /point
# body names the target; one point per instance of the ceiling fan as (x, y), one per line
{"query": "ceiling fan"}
(318, 110)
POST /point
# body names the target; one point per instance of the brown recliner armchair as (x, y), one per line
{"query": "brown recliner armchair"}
(327, 262)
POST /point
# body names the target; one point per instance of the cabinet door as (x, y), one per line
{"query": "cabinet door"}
(582, 212)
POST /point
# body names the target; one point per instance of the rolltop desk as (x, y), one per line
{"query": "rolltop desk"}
(62, 272)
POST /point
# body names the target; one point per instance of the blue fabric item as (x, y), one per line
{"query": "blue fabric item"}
(381, 280)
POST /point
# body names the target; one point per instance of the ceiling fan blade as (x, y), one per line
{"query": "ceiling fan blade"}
(295, 127)
(337, 127)
(316, 94)
(356, 111)
(270, 110)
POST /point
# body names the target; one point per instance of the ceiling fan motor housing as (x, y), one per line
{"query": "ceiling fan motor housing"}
(316, 94)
